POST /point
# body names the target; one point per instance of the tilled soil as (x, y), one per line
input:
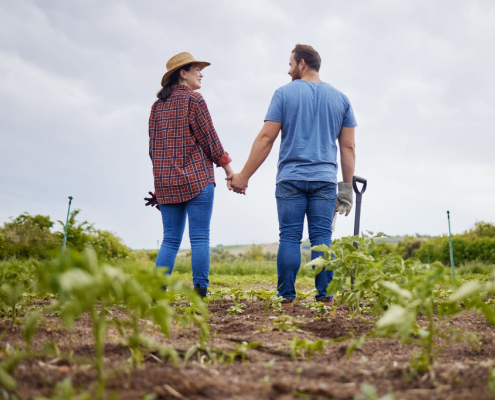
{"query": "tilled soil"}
(461, 370)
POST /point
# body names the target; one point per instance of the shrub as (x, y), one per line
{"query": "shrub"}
(408, 247)
(28, 236)
(108, 246)
(432, 250)
(460, 250)
(482, 249)
(383, 249)
(481, 229)
(31, 236)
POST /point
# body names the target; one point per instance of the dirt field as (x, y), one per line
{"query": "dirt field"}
(268, 372)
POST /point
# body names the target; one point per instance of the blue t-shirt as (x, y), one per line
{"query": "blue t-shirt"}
(312, 115)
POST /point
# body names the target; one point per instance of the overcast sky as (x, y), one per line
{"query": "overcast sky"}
(78, 78)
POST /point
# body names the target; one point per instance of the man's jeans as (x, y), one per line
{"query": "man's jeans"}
(295, 200)
(198, 211)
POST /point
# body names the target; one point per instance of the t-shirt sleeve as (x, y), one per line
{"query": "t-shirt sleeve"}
(275, 110)
(349, 119)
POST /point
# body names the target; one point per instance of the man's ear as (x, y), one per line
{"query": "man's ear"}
(302, 63)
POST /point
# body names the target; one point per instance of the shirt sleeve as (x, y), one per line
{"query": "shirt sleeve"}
(275, 110)
(224, 160)
(151, 129)
(203, 130)
(349, 119)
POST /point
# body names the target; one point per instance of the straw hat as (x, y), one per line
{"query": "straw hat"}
(178, 61)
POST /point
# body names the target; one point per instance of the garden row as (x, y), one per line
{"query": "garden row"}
(391, 291)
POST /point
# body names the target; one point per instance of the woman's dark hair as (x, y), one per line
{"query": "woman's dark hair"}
(166, 91)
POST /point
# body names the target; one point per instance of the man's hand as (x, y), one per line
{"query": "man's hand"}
(152, 201)
(344, 198)
(237, 183)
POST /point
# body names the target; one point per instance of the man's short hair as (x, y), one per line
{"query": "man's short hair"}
(308, 54)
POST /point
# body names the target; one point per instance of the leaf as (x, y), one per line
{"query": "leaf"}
(393, 287)
(190, 352)
(320, 247)
(75, 279)
(162, 315)
(317, 263)
(7, 381)
(356, 344)
(394, 316)
(467, 290)
(30, 326)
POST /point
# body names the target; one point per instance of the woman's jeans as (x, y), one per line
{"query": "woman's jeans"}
(295, 200)
(198, 211)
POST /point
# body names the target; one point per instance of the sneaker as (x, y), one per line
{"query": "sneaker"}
(287, 303)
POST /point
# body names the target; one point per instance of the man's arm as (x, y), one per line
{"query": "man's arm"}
(347, 153)
(259, 152)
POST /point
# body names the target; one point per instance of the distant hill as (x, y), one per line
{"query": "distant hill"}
(305, 245)
(239, 249)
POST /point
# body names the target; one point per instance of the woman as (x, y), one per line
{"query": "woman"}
(183, 148)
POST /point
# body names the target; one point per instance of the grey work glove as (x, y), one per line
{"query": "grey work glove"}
(344, 198)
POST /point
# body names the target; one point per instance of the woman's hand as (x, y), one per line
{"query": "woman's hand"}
(230, 173)
(238, 183)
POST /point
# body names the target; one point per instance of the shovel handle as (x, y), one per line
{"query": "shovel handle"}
(355, 181)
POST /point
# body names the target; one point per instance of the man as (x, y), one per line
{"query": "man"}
(312, 115)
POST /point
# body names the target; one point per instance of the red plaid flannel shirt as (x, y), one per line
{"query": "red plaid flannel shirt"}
(183, 146)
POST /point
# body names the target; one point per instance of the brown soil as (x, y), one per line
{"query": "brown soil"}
(461, 368)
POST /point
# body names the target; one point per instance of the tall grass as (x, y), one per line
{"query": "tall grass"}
(476, 267)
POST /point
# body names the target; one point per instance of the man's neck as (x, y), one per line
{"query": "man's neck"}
(311, 76)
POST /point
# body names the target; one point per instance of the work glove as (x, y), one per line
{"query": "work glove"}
(152, 201)
(344, 198)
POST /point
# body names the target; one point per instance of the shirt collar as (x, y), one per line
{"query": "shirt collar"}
(180, 87)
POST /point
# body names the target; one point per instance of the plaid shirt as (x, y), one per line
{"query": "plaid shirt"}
(183, 146)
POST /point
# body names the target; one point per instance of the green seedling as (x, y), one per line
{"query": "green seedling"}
(236, 309)
(285, 323)
(305, 348)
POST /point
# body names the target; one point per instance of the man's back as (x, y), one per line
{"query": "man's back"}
(312, 115)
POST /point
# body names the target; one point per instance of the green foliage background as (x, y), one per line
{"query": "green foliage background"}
(476, 244)
(33, 236)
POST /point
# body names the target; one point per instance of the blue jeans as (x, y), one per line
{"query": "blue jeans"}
(295, 200)
(198, 211)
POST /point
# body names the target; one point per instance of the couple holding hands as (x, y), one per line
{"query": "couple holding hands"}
(183, 145)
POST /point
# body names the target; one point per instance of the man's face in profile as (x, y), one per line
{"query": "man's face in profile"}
(294, 71)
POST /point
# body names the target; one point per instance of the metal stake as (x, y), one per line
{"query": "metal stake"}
(66, 223)
(451, 248)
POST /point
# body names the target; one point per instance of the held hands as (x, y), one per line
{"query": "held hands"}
(344, 198)
(237, 183)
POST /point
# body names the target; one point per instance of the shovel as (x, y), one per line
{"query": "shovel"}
(359, 196)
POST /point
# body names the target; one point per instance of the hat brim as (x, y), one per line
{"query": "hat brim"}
(168, 74)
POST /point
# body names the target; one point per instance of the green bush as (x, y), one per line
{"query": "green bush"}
(432, 250)
(475, 244)
(476, 267)
(30, 236)
(481, 230)
(108, 246)
(460, 248)
(408, 247)
(383, 249)
(482, 249)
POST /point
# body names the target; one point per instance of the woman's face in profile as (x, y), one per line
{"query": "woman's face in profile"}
(192, 78)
